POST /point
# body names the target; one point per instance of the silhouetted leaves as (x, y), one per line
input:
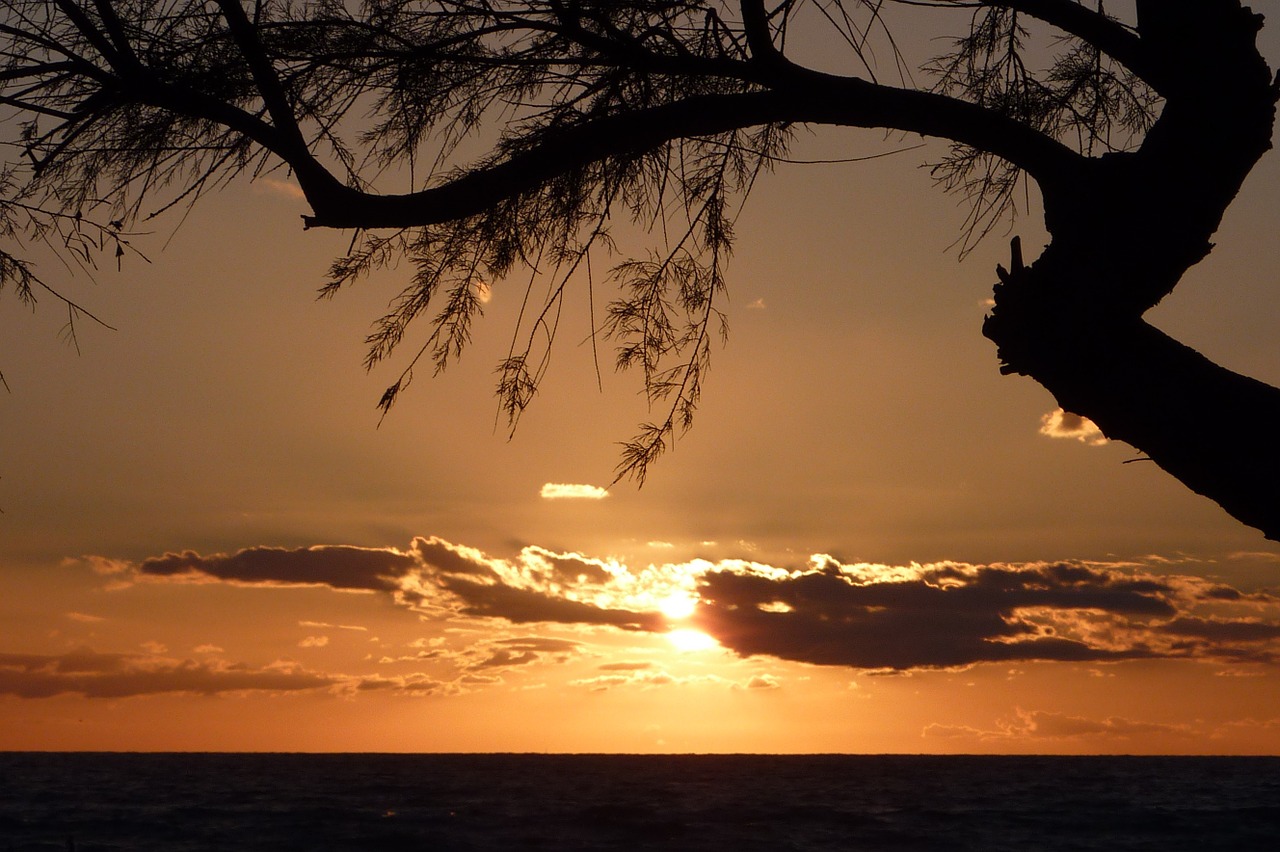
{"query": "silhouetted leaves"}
(133, 108)
(1081, 96)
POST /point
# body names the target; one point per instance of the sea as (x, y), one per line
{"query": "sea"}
(93, 802)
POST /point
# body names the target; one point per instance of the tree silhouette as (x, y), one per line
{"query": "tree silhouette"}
(1138, 133)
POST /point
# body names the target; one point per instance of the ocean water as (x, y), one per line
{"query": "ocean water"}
(369, 802)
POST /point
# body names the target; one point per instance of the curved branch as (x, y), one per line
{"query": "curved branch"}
(264, 76)
(807, 97)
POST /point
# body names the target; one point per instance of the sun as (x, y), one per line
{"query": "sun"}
(686, 639)
(678, 606)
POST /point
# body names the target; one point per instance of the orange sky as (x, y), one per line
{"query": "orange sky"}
(207, 542)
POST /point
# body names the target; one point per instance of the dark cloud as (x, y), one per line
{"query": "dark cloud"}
(98, 675)
(433, 574)
(337, 566)
(1223, 630)
(412, 684)
(871, 617)
(485, 598)
(937, 616)
(442, 557)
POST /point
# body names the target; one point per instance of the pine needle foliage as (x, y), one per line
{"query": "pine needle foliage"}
(126, 110)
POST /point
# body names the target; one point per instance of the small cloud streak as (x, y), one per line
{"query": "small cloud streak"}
(645, 679)
(523, 651)
(571, 491)
(103, 675)
(1064, 424)
(1046, 725)
(275, 186)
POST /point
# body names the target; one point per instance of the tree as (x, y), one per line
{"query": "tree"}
(1138, 133)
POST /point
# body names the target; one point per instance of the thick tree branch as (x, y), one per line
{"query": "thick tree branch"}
(755, 25)
(805, 97)
(1211, 428)
(287, 140)
(92, 34)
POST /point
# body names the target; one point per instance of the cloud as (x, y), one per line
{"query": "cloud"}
(646, 676)
(416, 684)
(336, 566)
(646, 679)
(1047, 725)
(275, 186)
(505, 653)
(529, 606)
(540, 586)
(1064, 424)
(439, 578)
(951, 615)
(105, 675)
(625, 666)
(568, 491)
(84, 618)
(872, 617)
(314, 642)
(1043, 724)
(1223, 630)
(92, 674)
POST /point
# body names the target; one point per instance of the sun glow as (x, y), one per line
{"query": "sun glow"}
(678, 606)
(691, 640)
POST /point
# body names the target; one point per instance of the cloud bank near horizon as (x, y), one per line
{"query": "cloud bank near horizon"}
(92, 674)
(865, 616)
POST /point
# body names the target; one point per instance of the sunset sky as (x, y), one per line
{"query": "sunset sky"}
(870, 541)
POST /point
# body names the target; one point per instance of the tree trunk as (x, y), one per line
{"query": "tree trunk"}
(1214, 430)
(1125, 229)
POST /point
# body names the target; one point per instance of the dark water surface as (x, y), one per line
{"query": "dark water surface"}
(181, 802)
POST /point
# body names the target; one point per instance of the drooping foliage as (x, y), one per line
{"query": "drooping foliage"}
(488, 140)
